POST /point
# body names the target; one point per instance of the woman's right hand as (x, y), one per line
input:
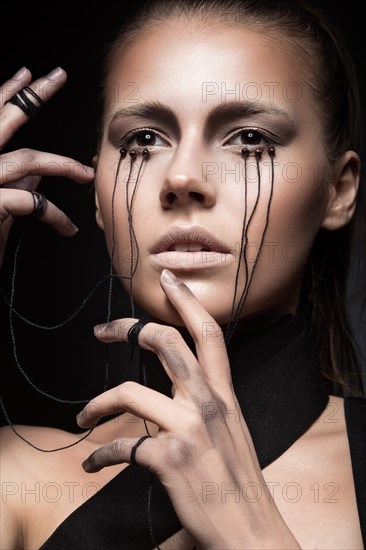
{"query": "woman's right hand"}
(22, 170)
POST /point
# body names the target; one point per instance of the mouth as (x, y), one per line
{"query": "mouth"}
(187, 248)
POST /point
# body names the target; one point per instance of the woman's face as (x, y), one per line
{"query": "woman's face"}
(197, 95)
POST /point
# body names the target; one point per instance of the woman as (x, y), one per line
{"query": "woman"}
(207, 178)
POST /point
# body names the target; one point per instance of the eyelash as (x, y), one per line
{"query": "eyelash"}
(268, 137)
(126, 141)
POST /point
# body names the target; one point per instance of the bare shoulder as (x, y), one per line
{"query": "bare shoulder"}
(22, 467)
(34, 478)
(317, 468)
(22, 441)
(341, 418)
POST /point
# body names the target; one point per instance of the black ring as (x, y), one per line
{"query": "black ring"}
(21, 100)
(134, 449)
(39, 204)
(135, 330)
(33, 93)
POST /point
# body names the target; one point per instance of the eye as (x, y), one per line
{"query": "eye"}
(143, 138)
(252, 137)
(248, 137)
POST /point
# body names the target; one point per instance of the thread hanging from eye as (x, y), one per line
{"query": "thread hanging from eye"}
(236, 310)
(245, 152)
(145, 154)
(258, 152)
(122, 154)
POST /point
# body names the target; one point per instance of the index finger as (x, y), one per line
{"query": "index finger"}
(205, 331)
(12, 116)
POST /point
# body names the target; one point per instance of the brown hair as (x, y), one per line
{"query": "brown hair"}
(334, 84)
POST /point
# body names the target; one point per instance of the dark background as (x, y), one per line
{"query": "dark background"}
(55, 274)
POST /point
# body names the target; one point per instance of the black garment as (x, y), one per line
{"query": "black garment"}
(355, 413)
(277, 381)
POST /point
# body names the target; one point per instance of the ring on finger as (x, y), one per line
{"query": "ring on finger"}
(23, 101)
(39, 204)
(135, 447)
(135, 330)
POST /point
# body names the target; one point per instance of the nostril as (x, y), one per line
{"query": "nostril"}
(170, 198)
(197, 196)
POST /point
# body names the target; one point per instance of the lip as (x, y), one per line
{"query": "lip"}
(214, 253)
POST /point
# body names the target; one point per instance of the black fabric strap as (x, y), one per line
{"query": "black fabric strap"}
(355, 413)
(278, 384)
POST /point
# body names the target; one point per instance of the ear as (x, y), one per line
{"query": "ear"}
(98, 215)
(342, 192)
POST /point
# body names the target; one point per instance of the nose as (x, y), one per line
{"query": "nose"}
(184, 185)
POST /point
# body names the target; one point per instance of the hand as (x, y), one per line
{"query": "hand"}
(22, 170)
(203, 438)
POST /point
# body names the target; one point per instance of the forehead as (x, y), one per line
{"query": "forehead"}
(193, 66)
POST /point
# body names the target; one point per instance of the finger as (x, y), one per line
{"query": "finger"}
(28, 183)
(21, 78)
(118, 451)
(139, 400)
(12, 116)
(18, 202)
(25, 162)
(166, 342)
(205, 331)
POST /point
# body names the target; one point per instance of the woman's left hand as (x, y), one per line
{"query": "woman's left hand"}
(203, 453)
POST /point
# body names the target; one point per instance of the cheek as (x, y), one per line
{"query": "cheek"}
(294, 221)
(126, 235)
(112, 206)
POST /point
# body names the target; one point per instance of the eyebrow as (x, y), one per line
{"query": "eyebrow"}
(236, 109)
(151, 109)
(225, 112)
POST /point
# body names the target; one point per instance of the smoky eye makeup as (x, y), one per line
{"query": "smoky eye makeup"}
(153, 116)
(143, 137)
(251, 136)
(124, 134)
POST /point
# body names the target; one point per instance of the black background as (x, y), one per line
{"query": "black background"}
(54, 273)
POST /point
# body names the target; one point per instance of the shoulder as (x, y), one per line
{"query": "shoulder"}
(31, 439)
(21, 467)
(26, 452)
(32, 473)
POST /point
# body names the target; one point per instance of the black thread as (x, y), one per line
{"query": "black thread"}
(32, 444)
(33, 93)
(244, 243)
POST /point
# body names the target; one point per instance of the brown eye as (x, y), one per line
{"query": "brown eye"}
(145, 138)
(250, 137)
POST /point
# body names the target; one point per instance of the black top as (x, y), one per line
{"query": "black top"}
(281, 392)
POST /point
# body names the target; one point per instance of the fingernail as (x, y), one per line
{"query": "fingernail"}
(99, 328)
(85, 465)
(75, 229)
(169, 278)
(19, 74)
(55, 74)
(90, 171)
